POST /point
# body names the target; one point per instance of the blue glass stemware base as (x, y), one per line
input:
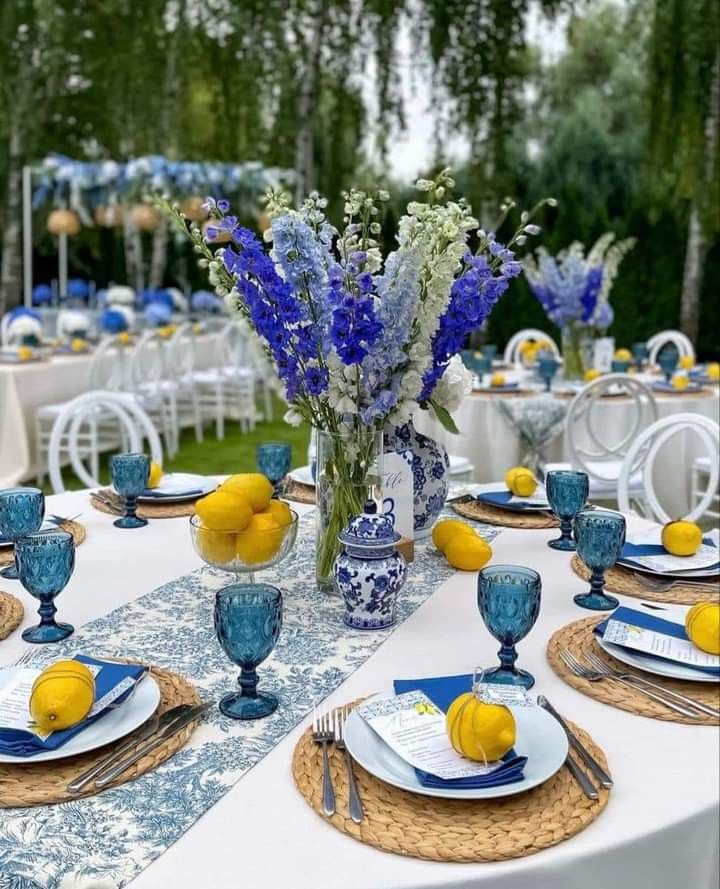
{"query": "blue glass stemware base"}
(596, 601)
(566, 544)
(10, 573)
(501, 676)
(240, 706)
(130, 521)
(54, 632)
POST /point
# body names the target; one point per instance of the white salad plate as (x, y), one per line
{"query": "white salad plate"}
(178, 486)
(657, 666)
(302, 475)
(131, 714)
(539, 737)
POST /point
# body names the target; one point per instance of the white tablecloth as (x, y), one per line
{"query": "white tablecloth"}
(659, 831)
(26, 387)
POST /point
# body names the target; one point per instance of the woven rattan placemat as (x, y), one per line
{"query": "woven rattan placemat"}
(11, 614)
(493, 515)
(78, 531)
(622, 580)
(298, 492)
(45, 783)
(450, 830)
(144, 510)
(578, 637)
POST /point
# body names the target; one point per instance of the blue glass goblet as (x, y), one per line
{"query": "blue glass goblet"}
(45, 564)
(567, 493)
(489, 350)
(640, 354)
(248, 618)
(547, 368)
(483, 365)
(668, 361)
(21, 513)
(509, 602)
(600, 536)
(130, 473)
(273, 460)
(618, 366)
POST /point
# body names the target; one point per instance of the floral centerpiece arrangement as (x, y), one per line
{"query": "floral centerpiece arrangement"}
(360, 341)
(574, 290)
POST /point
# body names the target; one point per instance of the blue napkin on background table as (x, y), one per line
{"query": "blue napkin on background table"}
(442, 691)
(16, 742)
(658, 625)
(502, 498)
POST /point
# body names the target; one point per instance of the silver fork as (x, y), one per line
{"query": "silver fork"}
(602, 667)
(322, 734)
(593, 676)
(664, 586)
(354, 803)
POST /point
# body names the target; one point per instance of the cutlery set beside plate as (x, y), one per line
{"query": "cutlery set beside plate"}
(175, 495)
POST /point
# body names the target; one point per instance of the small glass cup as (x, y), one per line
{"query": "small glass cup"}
(130, 474)
(668, 361)
(618, 366)
(489, 350)
(483, 365)
(509, 602)
(547, 368)
(45, 564)
(21, 513)
(600, 536)
(640, 354)
(248, 618)
(567, 493)
(273, 460)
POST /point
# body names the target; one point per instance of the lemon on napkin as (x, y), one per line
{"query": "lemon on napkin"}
(681, 538)
(520, 481)
(687, 362)
(680, 382)
(62, 696)
(702, 624)
(497, 379)
(156, 475)
(480, 731)
(712, 371)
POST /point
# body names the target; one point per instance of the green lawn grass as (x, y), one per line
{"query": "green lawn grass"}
(235, 453)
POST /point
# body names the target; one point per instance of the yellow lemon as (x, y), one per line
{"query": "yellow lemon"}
(479, 731)
(623, 355)
(520, 481)
(446, 529)
(254, 487)
(24, 353)
(680, 382)
(477, 354)
(681, 538)
(216, 546)
(62, 696)
(280, 512)
(527, 346)
(197, 328)
(156, 475)
(123, 337)
(468, 552)
(224, 511)
(713, 371)
(497, 379)
(687, 362)
(702, 624)
(260, 540)
(78, 344)
(591, 374)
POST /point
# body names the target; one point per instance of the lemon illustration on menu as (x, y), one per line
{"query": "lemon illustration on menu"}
(62, 696)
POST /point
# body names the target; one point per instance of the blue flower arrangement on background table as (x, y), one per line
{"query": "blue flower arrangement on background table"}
(360, 342)
(574, 290)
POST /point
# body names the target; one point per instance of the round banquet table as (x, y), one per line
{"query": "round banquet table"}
(659, 830)
(24, 387)
(492, 446)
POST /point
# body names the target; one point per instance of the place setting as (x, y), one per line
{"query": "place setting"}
(518, 502)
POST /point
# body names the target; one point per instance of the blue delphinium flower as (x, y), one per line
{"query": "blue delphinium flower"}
(41, 294)
(113, 321)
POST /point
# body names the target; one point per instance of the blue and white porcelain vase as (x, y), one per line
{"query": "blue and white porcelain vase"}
(431, 474)
(369, 572)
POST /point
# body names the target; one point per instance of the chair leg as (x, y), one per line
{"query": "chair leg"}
(94, 451)
(219, 413)
(197, 415)
(267, 394)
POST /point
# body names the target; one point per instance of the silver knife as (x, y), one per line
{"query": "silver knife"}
(149, 728)
(171, 729)
(582, 779)
(577, 746)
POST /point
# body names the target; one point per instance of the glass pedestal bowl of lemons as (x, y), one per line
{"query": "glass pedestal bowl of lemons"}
(240, 529)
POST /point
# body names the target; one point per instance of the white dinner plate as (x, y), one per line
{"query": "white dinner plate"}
(539, 737)
(654, 665)
(302, 475)
(178, 486)
(696, 573)
(114, 725)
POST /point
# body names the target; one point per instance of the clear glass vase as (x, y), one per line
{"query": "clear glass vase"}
(348, 474)
(576, 351)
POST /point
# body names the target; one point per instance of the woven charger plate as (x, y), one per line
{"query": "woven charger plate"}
(298, 492)
(147, 510)
(450, 830)
(45, 783)
(621, 580)
(494, 515)
(78, 531)
(11, 614)
(578, 637)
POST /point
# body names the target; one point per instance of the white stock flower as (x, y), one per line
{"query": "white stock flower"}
(293, 417)
(119, 294)
(70, 322)
(453, 385)
(24, 325)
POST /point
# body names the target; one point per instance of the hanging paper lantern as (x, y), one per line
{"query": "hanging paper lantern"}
(219, 235)
(109, 216)
(63, 222)
(193, 208)
(146, 218)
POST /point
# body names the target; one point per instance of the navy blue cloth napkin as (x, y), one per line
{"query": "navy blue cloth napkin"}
(442, 691)
(632, 551)
(502, 498)
(651, 622)
(16, 742)
(162, 495)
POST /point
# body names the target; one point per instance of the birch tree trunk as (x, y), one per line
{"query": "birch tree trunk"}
(307, 104)
(158, 259)
(11, 268)
(133, 254)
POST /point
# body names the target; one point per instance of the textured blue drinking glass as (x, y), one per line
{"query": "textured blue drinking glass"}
(483, 365)
(45, 564)
(668, 361)
(509, 602)
(618, 366)
(248, 618)
(273, 460)
(640, 354)
(567, 493)
(21, 513)
(489, 350)
(547, 368)
(599, 536)
(130, 473)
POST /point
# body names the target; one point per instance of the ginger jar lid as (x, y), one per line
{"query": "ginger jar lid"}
(369, 530)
